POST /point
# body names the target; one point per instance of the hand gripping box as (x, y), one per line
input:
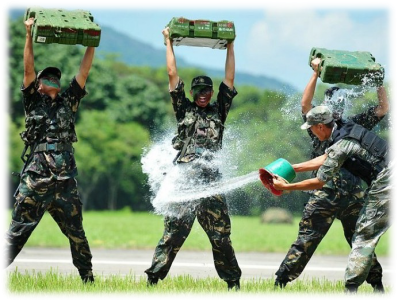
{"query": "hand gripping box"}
(202, 33)
(349, 67)
(64, 27)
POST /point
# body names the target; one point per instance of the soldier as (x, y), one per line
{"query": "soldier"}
(342, 197)
(47, 181)
(365, 155)
(200, 130)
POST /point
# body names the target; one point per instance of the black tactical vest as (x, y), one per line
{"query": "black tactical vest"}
(368, 140)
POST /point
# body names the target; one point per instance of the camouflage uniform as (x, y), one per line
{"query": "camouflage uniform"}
(48, 180)
(373, 220)
(342, 197)
(199, 131)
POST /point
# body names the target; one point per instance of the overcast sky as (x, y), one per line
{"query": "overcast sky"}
(272, 40)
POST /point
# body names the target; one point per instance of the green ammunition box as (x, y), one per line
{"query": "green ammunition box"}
(202, 33)
(64, 27)
(349, 67)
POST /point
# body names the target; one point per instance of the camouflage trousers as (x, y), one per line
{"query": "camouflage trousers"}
(373, 222)
(36, 195)
(318, 215)
(212, 215)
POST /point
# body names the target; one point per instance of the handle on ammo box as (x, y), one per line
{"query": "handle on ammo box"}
(57, 32)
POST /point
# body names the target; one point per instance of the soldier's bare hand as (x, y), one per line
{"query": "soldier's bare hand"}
(279, 183)
(28, 23)
(166, 32)
(315, 64)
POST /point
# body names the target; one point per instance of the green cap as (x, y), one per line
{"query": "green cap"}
(201, 81)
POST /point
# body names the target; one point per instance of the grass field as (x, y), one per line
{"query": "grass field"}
(128, 230)
(53, 282)
(142, 230)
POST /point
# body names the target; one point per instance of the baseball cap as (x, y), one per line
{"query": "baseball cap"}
(201, 81)
(318, 115)
(49, 71)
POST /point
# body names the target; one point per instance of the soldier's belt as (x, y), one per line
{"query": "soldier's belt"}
(54, 147)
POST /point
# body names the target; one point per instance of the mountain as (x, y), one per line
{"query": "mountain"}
(134, 52)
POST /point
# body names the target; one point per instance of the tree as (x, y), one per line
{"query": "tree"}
(107, 150)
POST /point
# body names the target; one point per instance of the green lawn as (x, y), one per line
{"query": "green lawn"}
(142, 230)
(53, 282)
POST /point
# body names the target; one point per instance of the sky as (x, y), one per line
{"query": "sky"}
(272, 40)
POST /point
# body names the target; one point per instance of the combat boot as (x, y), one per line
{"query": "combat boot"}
(152, 281)
(233, 284)
(87, 279)
(280, 283)
(378, 287)
(351, 289)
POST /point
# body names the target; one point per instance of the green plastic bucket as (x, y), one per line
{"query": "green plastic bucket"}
(282, 168)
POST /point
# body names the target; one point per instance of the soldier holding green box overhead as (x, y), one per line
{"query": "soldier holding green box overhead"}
(47, 180)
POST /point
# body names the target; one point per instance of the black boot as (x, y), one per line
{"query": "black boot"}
(87, 279)
(152, 281)
(233, 284)
(351, 289)
(280, 283)
(378, 287)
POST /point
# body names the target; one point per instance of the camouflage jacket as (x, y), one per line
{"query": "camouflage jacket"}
(48, 120)
(339, 152)
(344, 180)
(199, 129)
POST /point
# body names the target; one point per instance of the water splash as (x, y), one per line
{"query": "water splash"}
(352, 95)
(176, 189)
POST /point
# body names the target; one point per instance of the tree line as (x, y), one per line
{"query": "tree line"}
(128, 107)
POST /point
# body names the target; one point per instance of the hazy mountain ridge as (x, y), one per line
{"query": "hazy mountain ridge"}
(134, 52)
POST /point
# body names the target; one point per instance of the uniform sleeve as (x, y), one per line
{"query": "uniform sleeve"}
(224, 100)
(73, 94)
(30, 95)
(367, 119)
(179, 100)
(336, 156)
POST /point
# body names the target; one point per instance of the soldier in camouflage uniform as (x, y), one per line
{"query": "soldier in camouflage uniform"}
(342, 197)
(47, 181)
(363, 154)
(200, 130)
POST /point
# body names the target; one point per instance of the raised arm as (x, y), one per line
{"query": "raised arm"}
(170, 60)
(85, 66)
(308, 94)
(230, 66)
(29, 74)
(384, 106)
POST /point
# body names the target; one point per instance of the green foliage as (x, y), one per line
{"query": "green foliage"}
(108, 149)
(128, 107)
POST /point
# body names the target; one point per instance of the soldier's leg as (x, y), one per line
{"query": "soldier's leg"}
(349, 217)
(213, 216)
(26, 215)
(372, 223)
(318, 216)
(66, 210)
(176, 230)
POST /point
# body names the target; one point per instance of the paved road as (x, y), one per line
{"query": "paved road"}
(197, 264)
